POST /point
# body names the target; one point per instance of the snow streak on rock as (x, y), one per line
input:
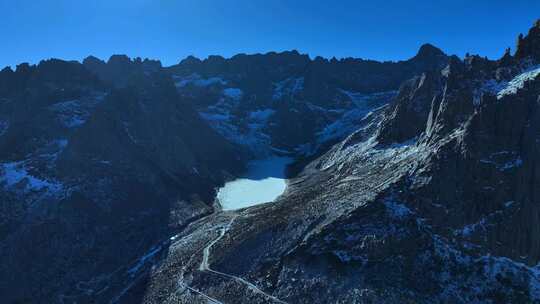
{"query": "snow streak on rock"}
(16, 176)
(74, 113)
(287, 88)
(4, 125)
(363, 106)
(504, 88)
(197, 80)
(519, 81)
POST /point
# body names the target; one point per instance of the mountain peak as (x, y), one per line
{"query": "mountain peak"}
(92, 61)
(429, 50)
(119, 59)
(190, 60)
(529, 46)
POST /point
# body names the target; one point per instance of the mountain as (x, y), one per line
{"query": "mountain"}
(288, 102)
(414, 181)
(437, 203)
(101, 161)
(92, 175)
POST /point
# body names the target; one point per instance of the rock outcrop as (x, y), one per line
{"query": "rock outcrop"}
(528, 46)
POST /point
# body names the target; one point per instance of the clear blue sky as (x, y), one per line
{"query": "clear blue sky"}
(170, 30)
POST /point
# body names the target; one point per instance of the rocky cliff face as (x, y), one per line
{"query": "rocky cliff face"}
(289, 102)
(435, 203)
(93, 175)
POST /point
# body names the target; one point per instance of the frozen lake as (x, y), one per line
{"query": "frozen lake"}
(263, 182)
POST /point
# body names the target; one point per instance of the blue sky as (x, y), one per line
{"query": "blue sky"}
(170, 30)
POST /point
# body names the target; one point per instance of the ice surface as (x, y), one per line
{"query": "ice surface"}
(264, 182)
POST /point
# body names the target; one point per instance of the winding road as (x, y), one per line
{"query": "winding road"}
(205, 266)
(209, 298)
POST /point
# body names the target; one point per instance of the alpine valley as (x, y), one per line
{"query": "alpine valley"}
(415, 181)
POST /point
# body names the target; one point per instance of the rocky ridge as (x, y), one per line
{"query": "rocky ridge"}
(93, 175)
(435, 203)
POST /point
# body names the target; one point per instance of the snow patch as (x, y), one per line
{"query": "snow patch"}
(215, 117)
(495, 160)
(504, 88)
(16, 174)
(340, 128)
(518, 82)
(198, 81)
(148, 256)
(346, 257)
(468, 230)
(509, 204)
(261, 115)
(4, 125)
(233, 93)
(53, 149)
(70, 113)
(365, 105)
(129, 133)
(369, 150)
(495, 266)
(287, 88)
(74, 113)
(512, 164)
(397, 210)
(249, 134)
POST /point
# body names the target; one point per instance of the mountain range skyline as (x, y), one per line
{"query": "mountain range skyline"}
(269, 178)
(170, 31)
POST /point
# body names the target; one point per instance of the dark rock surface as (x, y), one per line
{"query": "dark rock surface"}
(92, 176)
(528, 46)
(418, 180)
(307, 104)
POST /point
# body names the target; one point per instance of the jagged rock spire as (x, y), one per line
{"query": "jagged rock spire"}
(529, 46)
(429, 50)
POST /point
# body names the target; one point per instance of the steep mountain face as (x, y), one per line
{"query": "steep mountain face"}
(93, 175)
(289, 102)
(434, 201)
